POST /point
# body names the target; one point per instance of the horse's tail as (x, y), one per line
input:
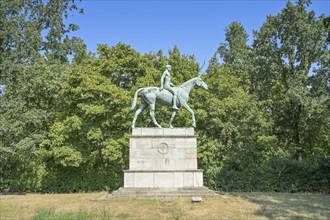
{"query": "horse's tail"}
(135, 99)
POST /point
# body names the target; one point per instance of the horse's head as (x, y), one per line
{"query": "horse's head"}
(200, 83)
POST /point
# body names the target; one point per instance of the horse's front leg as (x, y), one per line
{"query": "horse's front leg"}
(152, 114)
(172, 117)
(186, 106)
(141, 109)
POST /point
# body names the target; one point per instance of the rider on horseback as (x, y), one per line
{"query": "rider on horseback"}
(166, 84)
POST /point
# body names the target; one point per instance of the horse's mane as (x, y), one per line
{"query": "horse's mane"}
(188, 82)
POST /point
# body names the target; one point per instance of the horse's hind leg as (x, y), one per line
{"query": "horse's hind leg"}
(141, 109)
(152, 114)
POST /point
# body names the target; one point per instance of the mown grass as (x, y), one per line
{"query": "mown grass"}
(226, 206)
(51, 214)
(290, 205)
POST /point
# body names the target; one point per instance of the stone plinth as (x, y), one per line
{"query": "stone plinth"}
(163, 192)
(163, 158)
(163, 179)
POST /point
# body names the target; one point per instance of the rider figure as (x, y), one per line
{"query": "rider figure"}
(166, 84)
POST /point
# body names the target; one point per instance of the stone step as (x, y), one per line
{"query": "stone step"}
(162, 192)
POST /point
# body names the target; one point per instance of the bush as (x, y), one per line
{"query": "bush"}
(278, 175)
(58, 179)
(64, 180)
(21, 176)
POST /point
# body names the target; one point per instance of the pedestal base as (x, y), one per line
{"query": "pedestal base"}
(163, 178)
(162, 192)
(162, 158)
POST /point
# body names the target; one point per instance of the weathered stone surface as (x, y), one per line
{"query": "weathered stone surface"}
(178, 179)
(188, 180)
(163, 179)
(143, 180)
(163, 192)
(163, 149)
(163, 158)
(198, 179)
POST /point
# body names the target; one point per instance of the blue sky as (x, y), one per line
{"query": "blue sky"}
(196, 27)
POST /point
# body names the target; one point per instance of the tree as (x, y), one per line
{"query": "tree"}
(286, 47)
(30, 29)
(88, 133)
(34, 45)
(235, 52)
(236, 132)
(25, 120)
(121, 63)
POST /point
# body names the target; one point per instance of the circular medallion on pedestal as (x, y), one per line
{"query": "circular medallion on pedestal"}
(162, 148)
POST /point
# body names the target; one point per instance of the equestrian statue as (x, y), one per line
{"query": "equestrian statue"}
(168, 95)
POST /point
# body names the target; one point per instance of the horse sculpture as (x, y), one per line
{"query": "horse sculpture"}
(152, 95)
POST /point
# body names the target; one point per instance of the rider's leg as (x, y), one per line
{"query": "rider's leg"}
(174, 100)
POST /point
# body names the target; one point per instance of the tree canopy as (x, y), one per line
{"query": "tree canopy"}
(64, 112)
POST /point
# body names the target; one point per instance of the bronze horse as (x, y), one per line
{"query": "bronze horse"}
(152, 95)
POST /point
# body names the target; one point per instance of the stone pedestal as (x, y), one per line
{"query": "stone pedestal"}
(163, 158)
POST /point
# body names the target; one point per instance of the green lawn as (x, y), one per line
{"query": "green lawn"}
(226, 206)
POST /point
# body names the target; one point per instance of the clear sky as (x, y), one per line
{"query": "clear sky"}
(196, 27)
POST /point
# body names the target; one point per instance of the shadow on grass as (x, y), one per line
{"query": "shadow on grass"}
(290, 205)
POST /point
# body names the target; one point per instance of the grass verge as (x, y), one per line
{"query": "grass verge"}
(226, 206)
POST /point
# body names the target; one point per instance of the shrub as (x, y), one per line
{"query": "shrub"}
(63, 180)
(278, 175)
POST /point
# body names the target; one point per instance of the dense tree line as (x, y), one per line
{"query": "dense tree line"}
(262, 125)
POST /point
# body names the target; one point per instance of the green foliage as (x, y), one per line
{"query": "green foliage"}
(279, 175)
(25, 115)
(285, 48)
(235, 52)
(268, 107)
(121, 63)
(66, 156)
(35, 26)
(236, 130)
(31, 32)
(88, 133)
(86, 178)
(65, 126)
